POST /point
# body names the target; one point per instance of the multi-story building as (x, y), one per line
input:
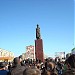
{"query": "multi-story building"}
(30, 52)
(6, 55)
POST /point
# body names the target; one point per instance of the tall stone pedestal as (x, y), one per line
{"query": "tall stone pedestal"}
(39, 49)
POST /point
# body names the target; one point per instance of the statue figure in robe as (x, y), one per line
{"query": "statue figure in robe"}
(38, 36)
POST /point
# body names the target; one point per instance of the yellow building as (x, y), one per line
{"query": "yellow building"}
(6, 55)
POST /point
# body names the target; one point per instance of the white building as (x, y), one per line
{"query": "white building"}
(60, 54)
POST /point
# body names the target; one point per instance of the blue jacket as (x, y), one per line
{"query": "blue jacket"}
(4, 72)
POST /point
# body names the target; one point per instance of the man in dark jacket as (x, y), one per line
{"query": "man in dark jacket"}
(17, 68)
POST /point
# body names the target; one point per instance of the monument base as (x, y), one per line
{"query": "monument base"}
(39, 50)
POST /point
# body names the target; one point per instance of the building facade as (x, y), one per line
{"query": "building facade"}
(61, 55)
(29, 52)
(6, 55)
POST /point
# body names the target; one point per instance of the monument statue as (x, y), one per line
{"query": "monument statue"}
(38, 36)
(39, 46)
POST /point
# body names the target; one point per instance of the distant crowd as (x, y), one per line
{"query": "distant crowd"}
(48, 67)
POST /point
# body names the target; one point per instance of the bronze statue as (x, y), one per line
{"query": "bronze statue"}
(38, 36)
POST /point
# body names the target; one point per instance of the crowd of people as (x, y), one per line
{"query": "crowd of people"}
(29, 67)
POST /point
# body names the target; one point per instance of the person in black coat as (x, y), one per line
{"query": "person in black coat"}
(17, 68)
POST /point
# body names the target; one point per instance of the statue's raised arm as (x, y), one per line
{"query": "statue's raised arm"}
(38, 36)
